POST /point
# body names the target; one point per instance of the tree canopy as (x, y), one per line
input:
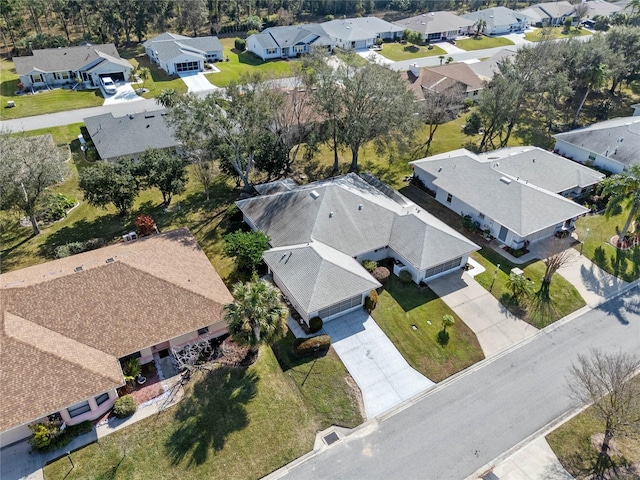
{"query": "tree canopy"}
(110, 183)
(163, 170)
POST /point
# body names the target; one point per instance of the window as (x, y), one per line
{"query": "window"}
(79, 409)
(475, 92)
(271, 51)
(298, 48)
(592, 156)
(36, 78)
(204, 330)
(481, 215)
(449, 198)
(100, 399)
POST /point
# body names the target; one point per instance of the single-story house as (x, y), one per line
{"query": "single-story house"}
(359, 33)
(127, 136)
(437, 80)
(611, 145)
(488, 67)
(321, 232)
(600, 8)
(51, 67)
(67, 324)
(636, 109)
(500, 20)
(436, 26)
(176, 53)
(549, 13)
(512, 193)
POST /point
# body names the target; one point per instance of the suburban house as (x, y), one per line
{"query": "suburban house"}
(600, 8)
(549, 13)
(499, 20)
(516, 194)
(53, 67)
(294, 40)
(438, 80)
(67, 324)
(611, 145)
(488, 67)
(176, 53)
(127, 136)
(321, 232)
(436, 26)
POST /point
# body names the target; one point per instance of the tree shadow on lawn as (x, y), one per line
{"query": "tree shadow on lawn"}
(215, 409)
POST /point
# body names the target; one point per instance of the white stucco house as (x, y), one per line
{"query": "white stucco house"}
(549, 13)
(54, 67)
(68, 324)
(437, 26)
(177, 54)
(500, 20)
(321, 232)
(611, 145)
(519, 194)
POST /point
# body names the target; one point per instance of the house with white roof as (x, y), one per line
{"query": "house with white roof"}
(176, 53)
(436, 26)
(499, 20)
(517, 194)
(612, 145)
(600, 8)
(549, 13)
(321, 232)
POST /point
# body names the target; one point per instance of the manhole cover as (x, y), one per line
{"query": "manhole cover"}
(331, 438)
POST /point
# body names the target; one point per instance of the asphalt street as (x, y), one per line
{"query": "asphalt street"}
(453, 431)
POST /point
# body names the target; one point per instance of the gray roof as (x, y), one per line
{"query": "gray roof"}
(434, 22)
(318, 276)
(487, 68)
(542, 168)
(277, 186)
(521, 207)
(617, 139)
(67, 59)
(495, 16)
(129, 135)
(353, 29)
(169, 46)
(549, 10)
(600, 7)
(164, 36)
(265, 39)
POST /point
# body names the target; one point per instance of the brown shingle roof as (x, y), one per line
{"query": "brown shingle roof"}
(74, 325)
(440, 79)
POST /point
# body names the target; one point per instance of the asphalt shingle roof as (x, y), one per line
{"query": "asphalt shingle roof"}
(70, 58)
(170, 45)
(495, 16)
(434, 22)
(439, 79)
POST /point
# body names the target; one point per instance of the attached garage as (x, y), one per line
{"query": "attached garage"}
(115, 76)
(187, 67)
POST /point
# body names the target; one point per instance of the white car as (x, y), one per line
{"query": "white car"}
(108, 85)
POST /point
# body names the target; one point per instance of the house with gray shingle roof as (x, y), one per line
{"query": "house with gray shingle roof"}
(549, 13)
(437, 26)
(69, 323)
(512, 193)
(612, 145)
(500, 20)
(51, 67)
(176, 53)
(321, 232)
(127, 136)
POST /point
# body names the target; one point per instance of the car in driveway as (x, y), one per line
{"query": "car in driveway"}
(109, 85)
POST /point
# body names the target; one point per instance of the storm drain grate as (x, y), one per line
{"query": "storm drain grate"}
(331, 438)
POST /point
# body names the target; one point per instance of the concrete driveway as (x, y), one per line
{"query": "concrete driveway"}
(383, 375)
(197, 82)
(124, 94)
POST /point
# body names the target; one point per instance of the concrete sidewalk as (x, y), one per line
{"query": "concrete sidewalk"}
(495, 327)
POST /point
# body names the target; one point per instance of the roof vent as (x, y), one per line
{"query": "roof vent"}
(505, 180)
(149, 116)
(109, 260)
(330, 214)
(360, 207)
(314, 194)
(533, 160)
(131, 116)
(439, 169)
(78, 269)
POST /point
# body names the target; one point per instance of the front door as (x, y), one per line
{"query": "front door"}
(503, 234)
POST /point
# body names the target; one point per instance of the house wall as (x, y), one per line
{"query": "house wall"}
(375, 255)
(16, 434)
(95, 412)
(170, 65)
(107, 68)
(328, 318)
(505, 29)
(254, 47)
(587, 157)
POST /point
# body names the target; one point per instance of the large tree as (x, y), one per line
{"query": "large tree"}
(556, 255)
(165, 171)
(258, 315)
(440, 107)
(623, 190)
(110, 183)
(605, 381)
(28, 167)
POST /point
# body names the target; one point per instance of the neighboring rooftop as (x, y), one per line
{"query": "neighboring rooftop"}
(495, 16)
(488, 67)
(67, 59)
(434, 22)
(170, 45)
(441, 78)
(602, 8)
(129, 135)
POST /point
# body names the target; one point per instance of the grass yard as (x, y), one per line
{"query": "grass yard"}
(482, 42)
(398, 51)
(573, 445)
(623, 264)
(324, 383)
(401, 306)
(234, 423)
(554, 33)
(159, 79)
(47, 101)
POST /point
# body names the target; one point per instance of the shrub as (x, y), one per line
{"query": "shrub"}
(252, 32)
(145, 225)
(315, 324)
(240, 44)
(329, 17)
(54, 206)
(131, 369)
(474, 122)
(369, 265)
(405, 276)
(72, 248)
(246, 247)
(124, 406)
(381, 274)
(371, 301)
(304, 347)
(47, 436)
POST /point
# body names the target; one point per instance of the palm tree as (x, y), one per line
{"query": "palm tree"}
(441, 57)
(447, 321)
(623, 190)
(480, 25)
(258, 315)
(168, 97)
(145, 74)
(595, 79)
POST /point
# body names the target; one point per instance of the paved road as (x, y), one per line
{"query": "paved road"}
(456, 429)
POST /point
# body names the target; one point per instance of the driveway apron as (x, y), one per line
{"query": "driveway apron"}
(383, 375)
(197, 82)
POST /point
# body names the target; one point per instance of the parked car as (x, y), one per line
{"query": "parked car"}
(108, 85)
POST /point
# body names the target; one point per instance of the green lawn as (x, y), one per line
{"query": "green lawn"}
(235, 423)
(159, 79)
(397, 51)
(403, 305)
(46, 101)
(324, 383)
(553, 33)
(482, 42)
(624, 264)
(572, 443)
